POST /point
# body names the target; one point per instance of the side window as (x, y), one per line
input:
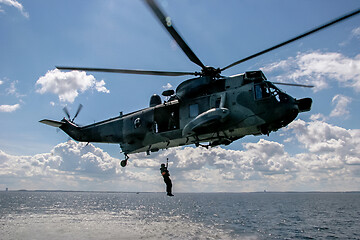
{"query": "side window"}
(137, 123)
(193, 110)
(217, 102)
(155, 127)
(258, 91)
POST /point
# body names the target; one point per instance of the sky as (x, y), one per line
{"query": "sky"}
(319, 151)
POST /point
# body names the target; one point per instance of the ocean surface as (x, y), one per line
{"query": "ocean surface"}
(103, 215)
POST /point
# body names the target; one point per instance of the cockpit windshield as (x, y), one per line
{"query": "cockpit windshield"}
(266, 90)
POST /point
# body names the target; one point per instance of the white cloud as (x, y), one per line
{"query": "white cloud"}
(330, 162)
(82, 158)
(69, 165)
(328, 142)
(100, 87)
(318, 69)
(341, 106)
(257, 161)
(16, 4)
(318, 117)
(328, 151)
(341, 109)
(167, 86)
(333, 157)
(12, 90)
(67, 85)
(9, 108)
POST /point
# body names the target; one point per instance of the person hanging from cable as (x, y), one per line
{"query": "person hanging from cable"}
(166, 175)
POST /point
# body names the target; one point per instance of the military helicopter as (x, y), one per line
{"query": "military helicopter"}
(208, 110)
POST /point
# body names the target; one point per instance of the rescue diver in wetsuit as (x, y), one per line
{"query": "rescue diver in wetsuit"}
(165, 173)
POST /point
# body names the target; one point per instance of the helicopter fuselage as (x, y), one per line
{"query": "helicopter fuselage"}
(204, 110)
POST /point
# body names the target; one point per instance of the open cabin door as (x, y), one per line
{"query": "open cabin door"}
(166, 117)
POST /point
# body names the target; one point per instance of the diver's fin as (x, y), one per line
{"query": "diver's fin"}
(52, 123)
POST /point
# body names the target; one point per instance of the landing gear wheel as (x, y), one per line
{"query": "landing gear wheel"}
(123, 163)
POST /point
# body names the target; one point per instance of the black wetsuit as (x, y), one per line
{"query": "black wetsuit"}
(165, 173)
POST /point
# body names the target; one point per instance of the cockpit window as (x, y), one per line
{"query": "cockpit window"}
(265, 90)
(261, 91)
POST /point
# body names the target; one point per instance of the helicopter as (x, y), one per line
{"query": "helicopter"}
(208, 110)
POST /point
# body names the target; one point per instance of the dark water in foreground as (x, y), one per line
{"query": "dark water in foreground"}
(91, 215)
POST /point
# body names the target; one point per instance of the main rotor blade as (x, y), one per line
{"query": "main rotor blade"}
(295, 38)
(166, 22)
(129, 71)
(293, 84)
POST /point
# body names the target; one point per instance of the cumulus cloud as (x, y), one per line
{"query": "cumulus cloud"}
(327, 151)
(75, 166)
(16, 4)
(70, 157)
(327, 142)
(331, 155)
(318, 68)
(82, 158)
(330, 161)
(68, 165)
(67, 85)
(9, 108)
(218, 166)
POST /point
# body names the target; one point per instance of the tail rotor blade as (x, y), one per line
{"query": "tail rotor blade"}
(66, 112)
(77, 112)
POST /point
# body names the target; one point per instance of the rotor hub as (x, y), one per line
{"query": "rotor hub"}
(211, 72)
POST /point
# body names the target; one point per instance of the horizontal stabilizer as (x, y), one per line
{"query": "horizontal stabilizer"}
(52, 123)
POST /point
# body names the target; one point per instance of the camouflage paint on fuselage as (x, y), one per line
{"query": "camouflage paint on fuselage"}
(234, 108)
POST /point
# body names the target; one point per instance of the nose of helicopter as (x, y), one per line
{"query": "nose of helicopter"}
(304, 104)
(290, 115)
(296, 106)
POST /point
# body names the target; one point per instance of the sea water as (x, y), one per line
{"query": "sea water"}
(104, 215)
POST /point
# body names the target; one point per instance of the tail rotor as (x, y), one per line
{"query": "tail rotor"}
(66, 111)
(77, 112)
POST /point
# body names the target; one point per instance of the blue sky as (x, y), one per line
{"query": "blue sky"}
(318, 151)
